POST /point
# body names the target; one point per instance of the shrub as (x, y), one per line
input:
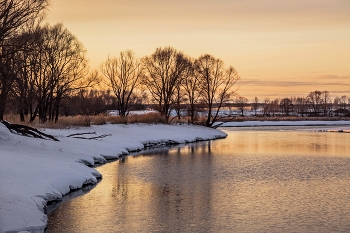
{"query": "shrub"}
(73, 121)
(117, 120)
(98, 120)
(149, 118)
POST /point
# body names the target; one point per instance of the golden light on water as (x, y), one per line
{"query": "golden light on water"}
(300, 143)
(255, 180)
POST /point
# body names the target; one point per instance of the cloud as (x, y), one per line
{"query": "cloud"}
(334, 77)
(323, 80)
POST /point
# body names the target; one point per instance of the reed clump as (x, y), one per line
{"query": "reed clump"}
(149, 118)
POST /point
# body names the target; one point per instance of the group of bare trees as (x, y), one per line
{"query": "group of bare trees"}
(15, 18)
(171, 79)
(39, 64)
(55, 66)
(316, 103)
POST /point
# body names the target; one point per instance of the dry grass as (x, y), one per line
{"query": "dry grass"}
(73, 121)
(149, 118)
(86, 121)
(12, 118)
(98, 120)
(62, 123)
(117, 120)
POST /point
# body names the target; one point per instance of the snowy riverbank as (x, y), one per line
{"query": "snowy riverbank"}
(34, 171)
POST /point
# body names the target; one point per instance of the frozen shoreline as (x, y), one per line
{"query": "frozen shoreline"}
(35, 171)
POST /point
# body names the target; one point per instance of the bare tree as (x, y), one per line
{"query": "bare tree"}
(215, 83)
(192, 91)
(180, 98)
(164, 72)
(315, 101)
(255, 104)
(286, 106)
(300, 105)
(21, 90)
(266, 106)
(123, 74)
(274, 106)
(14, 15)
(65, 69)
(55, 67)
(326, 102)
(242, 103)
(343, 101)
(336, 104)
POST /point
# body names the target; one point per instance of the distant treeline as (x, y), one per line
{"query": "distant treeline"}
(316, 103)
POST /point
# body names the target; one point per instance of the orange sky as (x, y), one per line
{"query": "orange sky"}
(281, 48)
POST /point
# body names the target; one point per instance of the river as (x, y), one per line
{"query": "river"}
(267, 179)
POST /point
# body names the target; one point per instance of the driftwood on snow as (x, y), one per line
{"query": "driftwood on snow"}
(79, 134)
(28, 131)
(97, 137)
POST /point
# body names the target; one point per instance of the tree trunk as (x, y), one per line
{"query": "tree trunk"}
(21, 116)
(3, 99)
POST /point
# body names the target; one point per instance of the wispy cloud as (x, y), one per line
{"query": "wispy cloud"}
(334, 77)
(328, 80)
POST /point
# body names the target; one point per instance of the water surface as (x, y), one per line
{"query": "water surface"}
(271, 179)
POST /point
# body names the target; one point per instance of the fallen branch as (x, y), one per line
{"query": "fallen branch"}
(77, 134)
(28, 131)
(97, 137)
(220, 119)
(217, 125)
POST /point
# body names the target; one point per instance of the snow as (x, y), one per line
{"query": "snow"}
(283, 123)
(34, 171)
(135, 112)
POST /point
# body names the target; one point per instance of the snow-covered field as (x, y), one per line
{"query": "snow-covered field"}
(34, 171)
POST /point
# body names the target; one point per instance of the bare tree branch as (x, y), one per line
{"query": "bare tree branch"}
(123, 74)
(165, 70)
(28, 131)
(77, 134)
(97, 137)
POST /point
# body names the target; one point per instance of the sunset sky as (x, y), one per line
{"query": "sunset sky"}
(280, 48)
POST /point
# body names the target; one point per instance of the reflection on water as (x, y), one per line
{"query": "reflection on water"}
(268, 180)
